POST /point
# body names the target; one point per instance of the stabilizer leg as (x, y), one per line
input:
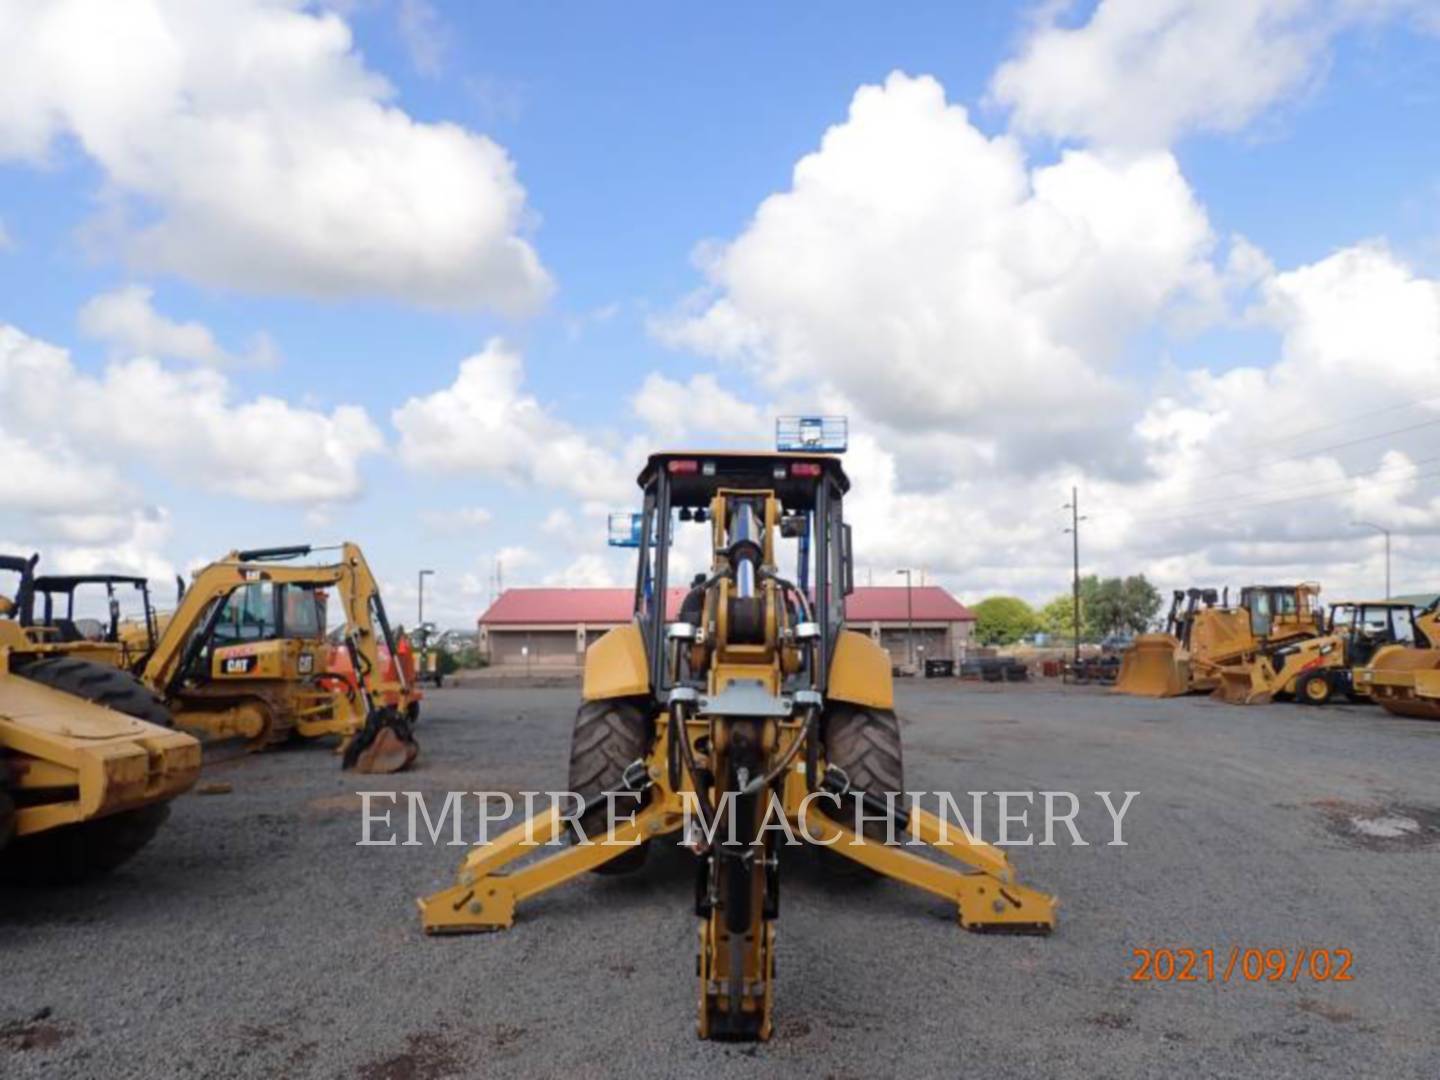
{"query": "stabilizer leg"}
(988, 899)
(485, 896)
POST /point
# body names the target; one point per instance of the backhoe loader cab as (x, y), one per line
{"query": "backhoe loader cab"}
(734, 699)
(245, 656)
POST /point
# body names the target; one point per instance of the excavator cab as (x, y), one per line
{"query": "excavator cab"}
(725, 708)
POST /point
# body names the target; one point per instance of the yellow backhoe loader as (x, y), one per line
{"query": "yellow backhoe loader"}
(756, 707)
(88, 760)
(1199, 641)
(244, 656)
(1314, 670)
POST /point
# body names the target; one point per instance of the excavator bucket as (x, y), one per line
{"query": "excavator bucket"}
(1405, 682)
(1155, 665)
(384, 745)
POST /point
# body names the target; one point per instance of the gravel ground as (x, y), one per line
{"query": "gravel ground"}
(254, 938)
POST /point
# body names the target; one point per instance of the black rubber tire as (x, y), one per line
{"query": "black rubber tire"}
(865, 743)
(1316, 683)
(73, 854)
(609, 735)
(104, 685)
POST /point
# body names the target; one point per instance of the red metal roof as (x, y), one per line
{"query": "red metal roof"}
(601, 606)
(886, 603)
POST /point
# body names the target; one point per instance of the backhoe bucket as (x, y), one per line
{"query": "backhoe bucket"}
(383, 745)
(1405, 682)
(1155, 665)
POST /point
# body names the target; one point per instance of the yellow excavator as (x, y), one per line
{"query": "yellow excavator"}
(1203, 634)
(754, 713)
(88, 759)
(244, 656)
(1360, 637)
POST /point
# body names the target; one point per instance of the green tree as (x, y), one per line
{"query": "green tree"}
(1119, 605)
(1004, 620)
(1058, 616)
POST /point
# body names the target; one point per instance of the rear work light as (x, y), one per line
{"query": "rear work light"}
(804, 468)
(686, 467)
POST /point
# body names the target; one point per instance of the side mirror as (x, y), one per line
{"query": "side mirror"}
(847, 562)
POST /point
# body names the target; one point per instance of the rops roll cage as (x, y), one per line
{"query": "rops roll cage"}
(816, 490)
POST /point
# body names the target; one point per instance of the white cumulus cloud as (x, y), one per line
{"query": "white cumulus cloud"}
(244, 143)
(486, 423)
(1144, 72)
(183, 423)
(924, 272)
(126, 318)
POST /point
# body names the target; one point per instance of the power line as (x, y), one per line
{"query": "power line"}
(1244, 500)
(1343, 489)
(1254, 466)
(1399, 407)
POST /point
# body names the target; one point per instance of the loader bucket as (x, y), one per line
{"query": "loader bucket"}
(1155, 665)
(1243, 684)
(383, 745)
(1405, 682)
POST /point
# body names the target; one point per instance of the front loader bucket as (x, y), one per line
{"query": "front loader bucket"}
(1155, 665)
(1405, 682)
(1243, 684)
(383, 745)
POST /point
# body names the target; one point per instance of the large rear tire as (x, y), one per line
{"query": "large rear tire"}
(77, 853)
(865, 743)
(609, 735)
(108, 686)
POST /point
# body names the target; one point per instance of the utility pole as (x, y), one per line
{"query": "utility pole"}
(420, 613)
(1074, 507)
(1380, 529)
(909, 621)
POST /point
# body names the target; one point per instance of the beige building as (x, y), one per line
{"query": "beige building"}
(550, 628)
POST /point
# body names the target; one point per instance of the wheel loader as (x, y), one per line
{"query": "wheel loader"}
(58, 617)
(753, 705)
(88, 759)
(1198, 641)
(1313, 671)
(244, 656)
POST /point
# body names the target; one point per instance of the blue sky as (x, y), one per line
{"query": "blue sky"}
(642, 133)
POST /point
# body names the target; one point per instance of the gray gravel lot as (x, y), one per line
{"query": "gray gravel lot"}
(254, 938)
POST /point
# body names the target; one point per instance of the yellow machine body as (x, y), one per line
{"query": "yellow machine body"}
(1202, 641)
(732, 705)
(1267, 676)
(269, 690)
(615, 665)
(1347, 655)
(1406, 681)
(66, 762)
